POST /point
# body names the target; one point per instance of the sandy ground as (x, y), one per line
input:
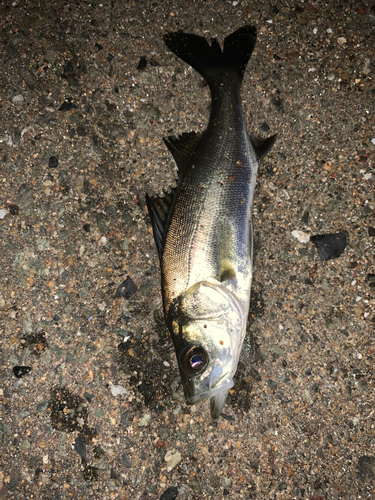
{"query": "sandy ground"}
(87, 91)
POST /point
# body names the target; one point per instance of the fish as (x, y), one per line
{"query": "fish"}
(202, 227)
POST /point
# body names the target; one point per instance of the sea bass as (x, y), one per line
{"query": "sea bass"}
(202, 228)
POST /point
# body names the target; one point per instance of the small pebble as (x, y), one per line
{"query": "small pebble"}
(301, 236)
(330, 246)
(173, 458)
(126, 289)
(53, 162)
(118, 390)
(170, 493)
(20, 371)
(18, 100)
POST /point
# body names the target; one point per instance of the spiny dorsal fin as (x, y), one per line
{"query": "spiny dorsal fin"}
(262, 146)
(159, 209)
(182, 148)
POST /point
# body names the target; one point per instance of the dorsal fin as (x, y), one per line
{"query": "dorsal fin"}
(182, 148)
(160, 207)
(262, 146)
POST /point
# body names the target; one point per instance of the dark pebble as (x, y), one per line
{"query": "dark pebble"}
(142, 64)
(14, 209)
(315, 387)
(86, 227)
(67, 105)
(89, 397)
(81, 131)
(272, 384)
(330, 246)
(366, 468)
(125, 461)
(170, 493)
(80, 446)
(126, 289)
(102, 224)
(229, 418)
(371, 231)
(63, 178)
(20, 371)
(164, 432)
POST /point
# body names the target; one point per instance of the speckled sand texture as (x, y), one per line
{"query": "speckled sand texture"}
(87, 91)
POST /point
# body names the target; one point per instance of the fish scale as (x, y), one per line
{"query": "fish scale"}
(203, 231)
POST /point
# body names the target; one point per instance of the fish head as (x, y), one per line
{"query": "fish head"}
(208, 330)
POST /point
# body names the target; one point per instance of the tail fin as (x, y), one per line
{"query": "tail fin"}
(196, 51)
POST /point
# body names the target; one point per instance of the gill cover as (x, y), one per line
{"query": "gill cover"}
(211, 323)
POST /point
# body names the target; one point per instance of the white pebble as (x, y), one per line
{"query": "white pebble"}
(359, 355)
(2, 213)
(329, 30)
(368, 176)
(315, 31)
(341, 40)
(311, 70)
(357, 299)
(269, 21)
(301, 236)
(18, 100)
(118, 390)
(373, 141)
(366, 315)
(165, 363)
(354, 282)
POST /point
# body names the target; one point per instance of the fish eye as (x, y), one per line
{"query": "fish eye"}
(193, 359)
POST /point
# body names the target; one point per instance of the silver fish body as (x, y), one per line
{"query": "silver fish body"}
(203, 230)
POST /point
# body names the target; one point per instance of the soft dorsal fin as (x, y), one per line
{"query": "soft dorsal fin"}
(262, 146)
(182, 148)
(160, 207)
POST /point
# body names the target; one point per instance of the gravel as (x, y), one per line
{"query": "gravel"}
(88, 90)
